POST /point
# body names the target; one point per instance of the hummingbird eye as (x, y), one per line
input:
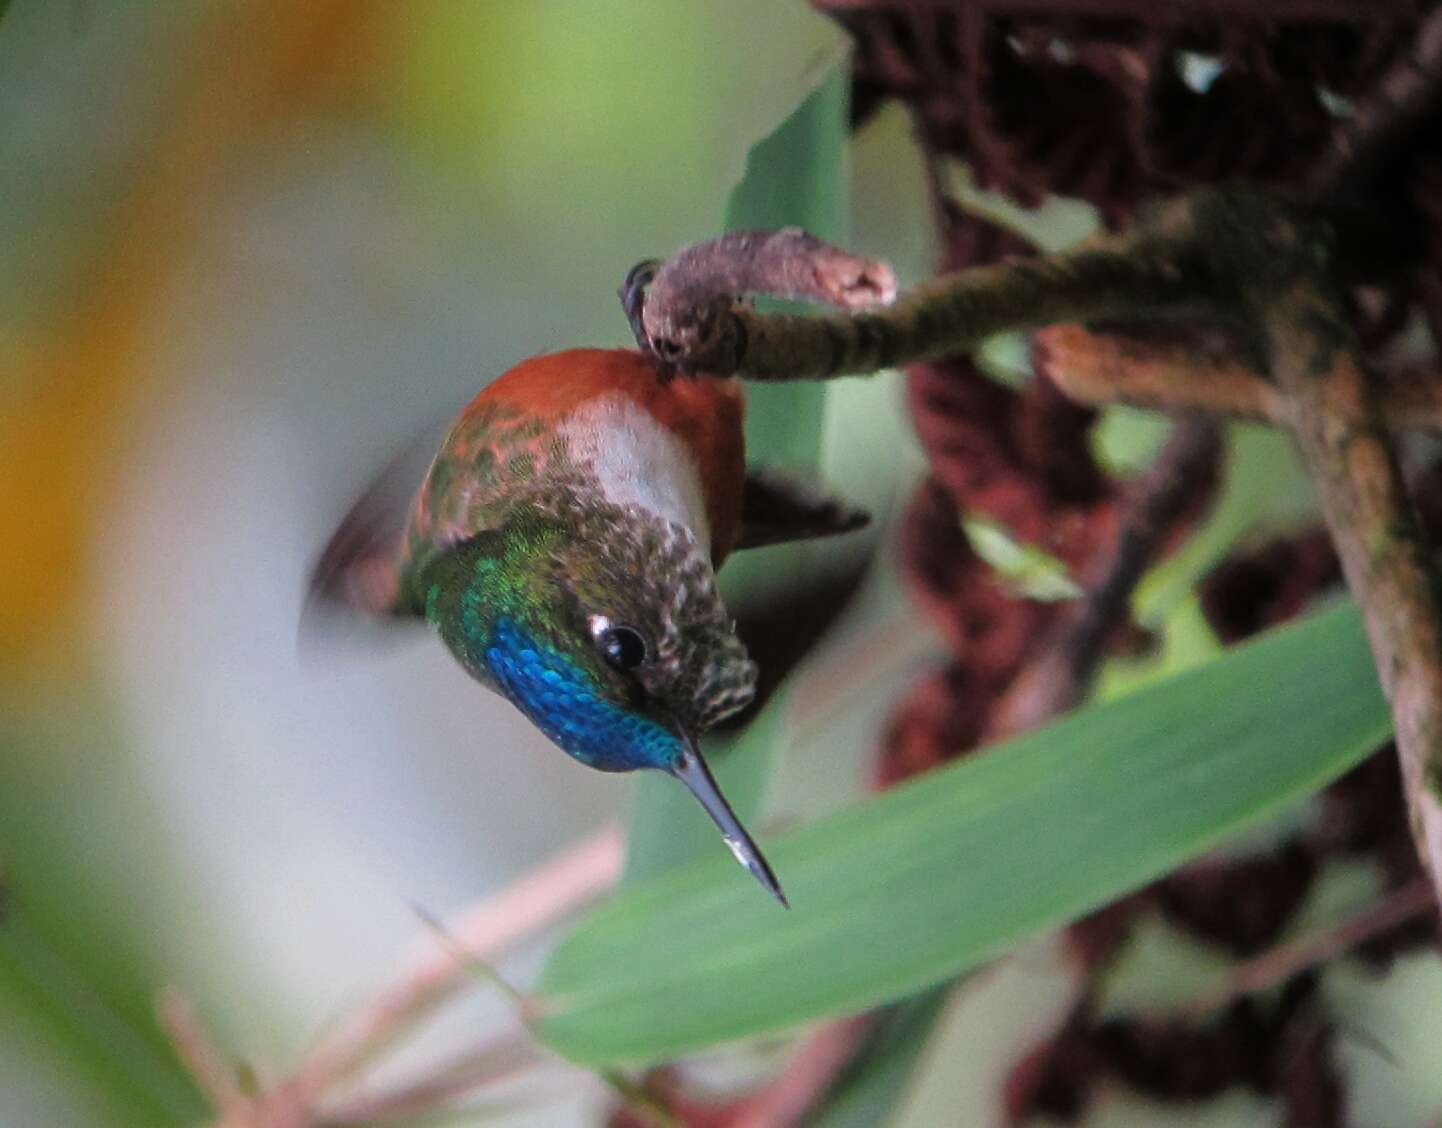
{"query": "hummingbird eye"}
(621, 646)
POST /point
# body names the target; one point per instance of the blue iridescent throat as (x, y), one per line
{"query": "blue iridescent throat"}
(561, 700)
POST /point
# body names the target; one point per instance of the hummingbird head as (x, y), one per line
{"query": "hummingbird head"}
(603, 625)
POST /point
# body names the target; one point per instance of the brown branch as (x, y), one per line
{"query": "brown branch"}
(1279, 964)
(1099, 369)
(1345, 448)
(1060, 677)
(1108, 368)
(1237, 252)
(687, 323)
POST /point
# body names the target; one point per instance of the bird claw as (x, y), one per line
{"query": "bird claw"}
(633, 300)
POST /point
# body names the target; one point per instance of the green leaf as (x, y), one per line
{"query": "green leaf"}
(917, 884)
(75, 979)
(793, 177)
(1025, 569)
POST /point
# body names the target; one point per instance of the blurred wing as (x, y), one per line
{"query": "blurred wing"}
(776, 508)
(360, 566)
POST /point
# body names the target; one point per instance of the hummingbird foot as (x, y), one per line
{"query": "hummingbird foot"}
(633, 299)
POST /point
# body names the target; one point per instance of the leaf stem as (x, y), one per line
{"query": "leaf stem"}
(1292, 957)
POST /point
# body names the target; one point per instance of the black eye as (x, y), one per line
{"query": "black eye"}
(623, 647)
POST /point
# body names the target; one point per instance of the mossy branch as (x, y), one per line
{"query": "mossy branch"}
(1343, 441)
(688, 319)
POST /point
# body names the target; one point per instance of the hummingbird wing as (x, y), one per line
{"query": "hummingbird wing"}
(777, 508)
(448, 484)
(360, 566)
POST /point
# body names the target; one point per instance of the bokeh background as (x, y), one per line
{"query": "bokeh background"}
(252, 249)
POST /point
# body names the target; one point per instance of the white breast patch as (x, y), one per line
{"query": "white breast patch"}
(638, 462)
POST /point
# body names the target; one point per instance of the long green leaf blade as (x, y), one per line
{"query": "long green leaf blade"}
(917, 884)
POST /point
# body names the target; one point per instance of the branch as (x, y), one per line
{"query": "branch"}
(1236, 252)
(1344, 446)
(1106, 368)
(690, 320)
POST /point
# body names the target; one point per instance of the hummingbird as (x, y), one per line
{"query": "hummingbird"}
(564, 546)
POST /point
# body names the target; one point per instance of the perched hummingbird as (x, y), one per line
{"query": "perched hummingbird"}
(564, 546)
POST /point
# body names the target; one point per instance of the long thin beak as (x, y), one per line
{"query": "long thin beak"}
(691, 770)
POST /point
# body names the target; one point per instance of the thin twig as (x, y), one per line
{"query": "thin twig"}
(198, 1053)
(1107, 368)
(1279, 964)
(809, 1073)
(437, 971)
(486, 932)
(1060, 677)
(440, 1086)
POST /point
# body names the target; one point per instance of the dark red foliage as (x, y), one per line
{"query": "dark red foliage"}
(1114, 101)
(1020, 458)
(1313, 1095)
(1278, 1047)
(1241, 905)
(1256, 589)
(1055, 1078)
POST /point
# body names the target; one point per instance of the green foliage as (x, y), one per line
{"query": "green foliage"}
(1027, 570)
(917, 884)
(72, 976)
